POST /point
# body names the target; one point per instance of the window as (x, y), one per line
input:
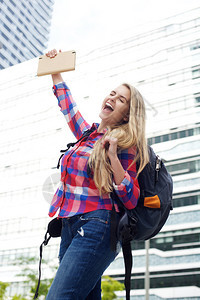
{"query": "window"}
(185, 199)
(196, 72)
(195, 46)
(13, 3)
(189, 165)
(13, 56)
(165, 138)
(182, 134)
(5, 37)
(10, 10)
(157, 139)
(172, 240)
(9, 19)
(175, 135)
(197, 98)
(7, 28)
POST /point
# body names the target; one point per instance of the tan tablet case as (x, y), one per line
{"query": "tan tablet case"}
(62, 62)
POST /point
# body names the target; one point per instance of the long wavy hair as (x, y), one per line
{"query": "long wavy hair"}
(129, 134)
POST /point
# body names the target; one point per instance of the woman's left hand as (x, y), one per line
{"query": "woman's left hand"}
(110, 144)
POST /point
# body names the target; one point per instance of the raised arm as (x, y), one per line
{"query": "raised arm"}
(67, 104)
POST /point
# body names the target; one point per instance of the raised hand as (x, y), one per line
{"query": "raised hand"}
(55, 77)
(52, 53)
(110, 144)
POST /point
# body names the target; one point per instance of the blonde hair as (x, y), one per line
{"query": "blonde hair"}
(131, 133)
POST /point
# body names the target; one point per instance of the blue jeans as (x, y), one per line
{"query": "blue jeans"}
(85, 254)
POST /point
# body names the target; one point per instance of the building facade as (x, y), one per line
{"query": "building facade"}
(163, 62)
(25, 27)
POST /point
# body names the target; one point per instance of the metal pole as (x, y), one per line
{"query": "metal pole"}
(147, 281)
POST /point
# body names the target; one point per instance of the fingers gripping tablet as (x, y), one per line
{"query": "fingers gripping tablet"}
(62, 62)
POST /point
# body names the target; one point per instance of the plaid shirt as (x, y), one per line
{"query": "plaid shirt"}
(77, 193)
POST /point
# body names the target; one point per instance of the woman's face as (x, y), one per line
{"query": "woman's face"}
(115, 107)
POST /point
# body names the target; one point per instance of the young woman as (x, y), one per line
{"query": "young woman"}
(83, 198)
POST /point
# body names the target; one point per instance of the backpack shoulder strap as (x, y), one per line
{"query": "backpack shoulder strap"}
(128, 262)
(126, 245)
(69, 145)
(44, 243)
(53, 230)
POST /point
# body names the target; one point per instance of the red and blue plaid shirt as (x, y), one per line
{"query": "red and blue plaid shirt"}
(77, 193)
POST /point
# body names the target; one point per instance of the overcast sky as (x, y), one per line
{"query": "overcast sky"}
(83, 25)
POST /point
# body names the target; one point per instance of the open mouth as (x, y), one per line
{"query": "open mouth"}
(108, 107)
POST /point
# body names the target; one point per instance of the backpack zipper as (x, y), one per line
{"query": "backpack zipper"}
(158, 166)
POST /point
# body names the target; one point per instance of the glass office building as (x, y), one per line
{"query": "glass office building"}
(25, 27)
(163, 62)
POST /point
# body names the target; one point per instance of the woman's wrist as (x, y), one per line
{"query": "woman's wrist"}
(118, 170)
(113, 158)
(56, 78)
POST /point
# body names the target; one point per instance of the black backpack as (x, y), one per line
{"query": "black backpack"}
(148, 217)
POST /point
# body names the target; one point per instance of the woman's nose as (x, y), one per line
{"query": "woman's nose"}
(113, 98)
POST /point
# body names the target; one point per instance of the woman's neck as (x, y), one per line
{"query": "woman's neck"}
(101, 127)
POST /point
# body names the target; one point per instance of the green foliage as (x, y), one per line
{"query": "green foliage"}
(22, 260)
(44, 286)
(18, 297)
(30, 275)
(109, 286)
(3, 287)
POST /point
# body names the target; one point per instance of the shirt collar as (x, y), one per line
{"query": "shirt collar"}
(96, 126)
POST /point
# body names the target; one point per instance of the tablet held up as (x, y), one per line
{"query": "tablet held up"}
(63, 62)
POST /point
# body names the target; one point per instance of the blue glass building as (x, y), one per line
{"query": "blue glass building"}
(24, 30)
